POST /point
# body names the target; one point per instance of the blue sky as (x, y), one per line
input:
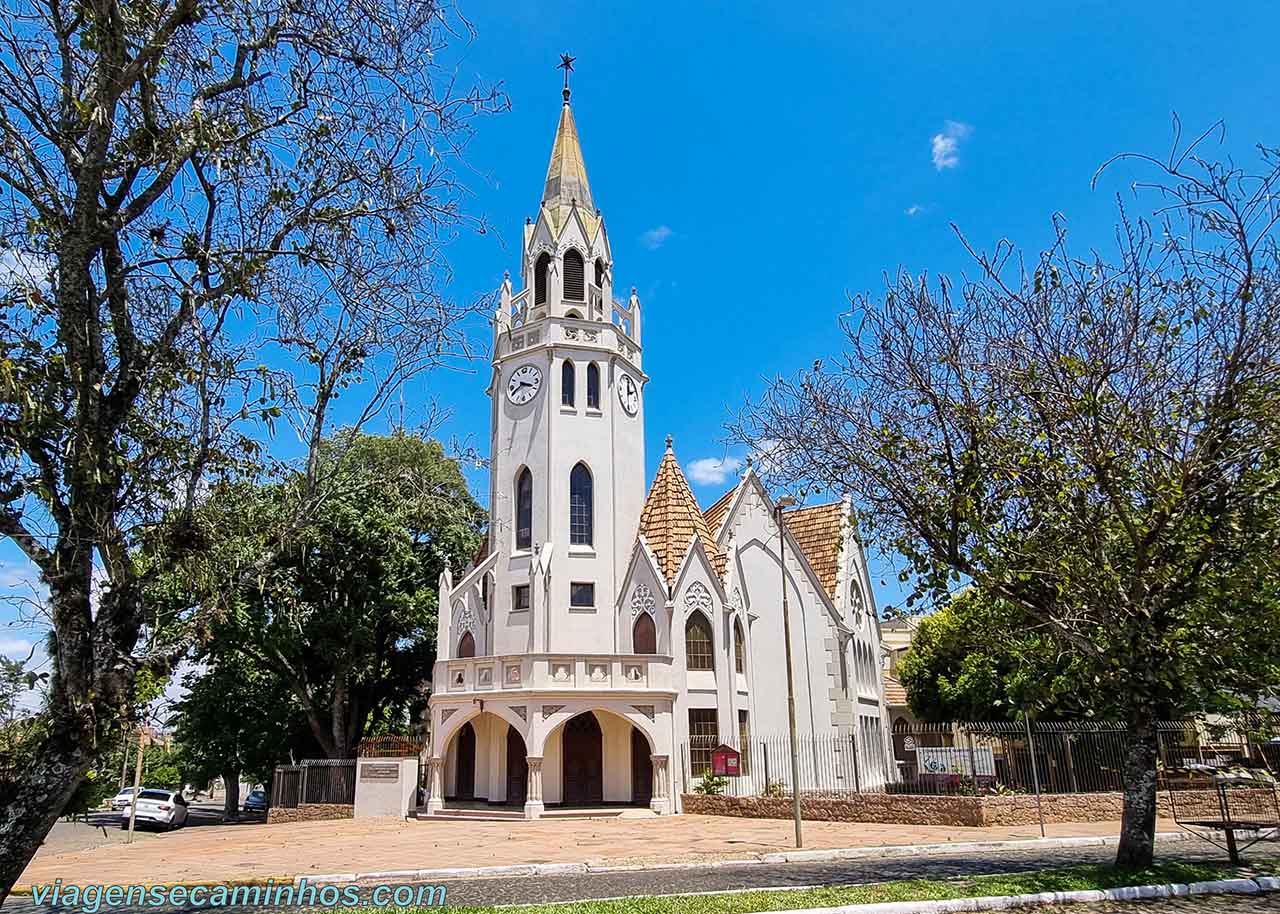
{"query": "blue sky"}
(755, 162)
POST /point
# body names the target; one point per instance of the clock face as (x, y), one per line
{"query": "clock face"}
(628, 394)
(524, 384)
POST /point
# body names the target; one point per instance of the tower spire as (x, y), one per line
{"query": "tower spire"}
(566, 184)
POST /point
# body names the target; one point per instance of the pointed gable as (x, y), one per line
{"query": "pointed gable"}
(818, 531)
(671, 519)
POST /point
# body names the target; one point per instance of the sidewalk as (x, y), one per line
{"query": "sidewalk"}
(218, 853)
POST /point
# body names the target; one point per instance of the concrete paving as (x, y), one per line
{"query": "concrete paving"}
(364, 845)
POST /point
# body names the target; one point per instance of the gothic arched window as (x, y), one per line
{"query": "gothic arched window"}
(699, 651)
(581, 505)
(593, 386)
(599, 272)
(644, 636)
(524, 510)
(739, 647)
(466, 645)
(541, 268)
(574, 276)
(566, 383)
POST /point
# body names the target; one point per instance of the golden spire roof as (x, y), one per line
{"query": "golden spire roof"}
(671, 519)
(567, 176)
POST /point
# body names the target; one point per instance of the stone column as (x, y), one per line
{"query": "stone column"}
(533, 807)
(435, 781)
(659, 802)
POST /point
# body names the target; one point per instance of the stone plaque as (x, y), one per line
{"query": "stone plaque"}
(380, 771)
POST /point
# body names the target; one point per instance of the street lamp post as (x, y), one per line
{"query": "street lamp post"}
(786, 501)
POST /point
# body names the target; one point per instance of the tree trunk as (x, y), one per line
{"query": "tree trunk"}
(1138, 822)
(38, 797)
(231, 802)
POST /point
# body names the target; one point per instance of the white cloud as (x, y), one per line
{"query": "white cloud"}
(23, 270)
(946, 145)
(15, 648)
(24, 577)
(713, 471)
(656, 237)
(763, 455)
(914, 209)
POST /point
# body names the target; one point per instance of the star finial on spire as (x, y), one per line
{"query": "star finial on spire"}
(566, 64)
(669, 442)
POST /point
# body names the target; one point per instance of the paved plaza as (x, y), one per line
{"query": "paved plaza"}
(365, 845)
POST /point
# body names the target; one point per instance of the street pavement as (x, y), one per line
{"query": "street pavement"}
(99, 829)
(533, 889)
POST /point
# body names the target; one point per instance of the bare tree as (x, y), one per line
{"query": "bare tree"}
(1095, 441)
(215, 218)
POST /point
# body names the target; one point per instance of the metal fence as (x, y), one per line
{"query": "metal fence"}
(969, 758)
(314, 781)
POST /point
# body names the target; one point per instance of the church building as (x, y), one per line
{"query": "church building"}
(606, 639)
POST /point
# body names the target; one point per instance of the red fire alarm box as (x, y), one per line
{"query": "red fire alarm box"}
(726, 761)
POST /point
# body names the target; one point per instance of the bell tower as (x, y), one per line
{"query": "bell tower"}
(567, 422)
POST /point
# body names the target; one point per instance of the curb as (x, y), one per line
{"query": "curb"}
(952, 847)
(1005, 902)
(800, 856)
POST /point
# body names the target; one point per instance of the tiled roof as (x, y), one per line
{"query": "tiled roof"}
(715, 514)
(671, 519)
(894, 694)
(482, 552)
(817, 532)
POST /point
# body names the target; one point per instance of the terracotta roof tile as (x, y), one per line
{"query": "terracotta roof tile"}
(817, 532)
(894, 693)
(715, 514)
(671, 519)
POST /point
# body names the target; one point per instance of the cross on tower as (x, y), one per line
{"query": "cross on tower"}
(566, 64)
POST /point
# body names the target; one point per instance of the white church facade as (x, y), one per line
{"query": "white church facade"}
(606, 638)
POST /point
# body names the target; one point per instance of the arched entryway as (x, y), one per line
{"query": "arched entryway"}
(583, 761)
(465, 778)
(641, 769)
(517, 768)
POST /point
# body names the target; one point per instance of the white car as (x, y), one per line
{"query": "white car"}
(165, 808)
(121, 800)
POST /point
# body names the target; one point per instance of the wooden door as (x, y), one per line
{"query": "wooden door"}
(583, 761)
(465, 788)
(641, 769)
(517, 768)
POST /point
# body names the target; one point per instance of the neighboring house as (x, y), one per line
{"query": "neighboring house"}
(603, 640)
(895, 639)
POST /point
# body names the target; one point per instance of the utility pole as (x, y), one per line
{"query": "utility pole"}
(124, 765)
(137, 782)
(787, 501)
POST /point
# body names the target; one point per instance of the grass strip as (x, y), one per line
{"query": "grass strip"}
(1067, 879)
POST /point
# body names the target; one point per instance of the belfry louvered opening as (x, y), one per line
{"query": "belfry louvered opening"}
(575, 287)
(540, 270)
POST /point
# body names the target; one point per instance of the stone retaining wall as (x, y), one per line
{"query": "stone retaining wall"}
(911, 809)
(310, 812)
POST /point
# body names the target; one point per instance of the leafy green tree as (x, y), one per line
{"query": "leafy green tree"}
(977, 658)
(236, 721)
(13, 682)
(1095, 442)
(214, 217)
(345, 616)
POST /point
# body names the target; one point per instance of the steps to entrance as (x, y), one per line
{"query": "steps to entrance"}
(499, 814)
